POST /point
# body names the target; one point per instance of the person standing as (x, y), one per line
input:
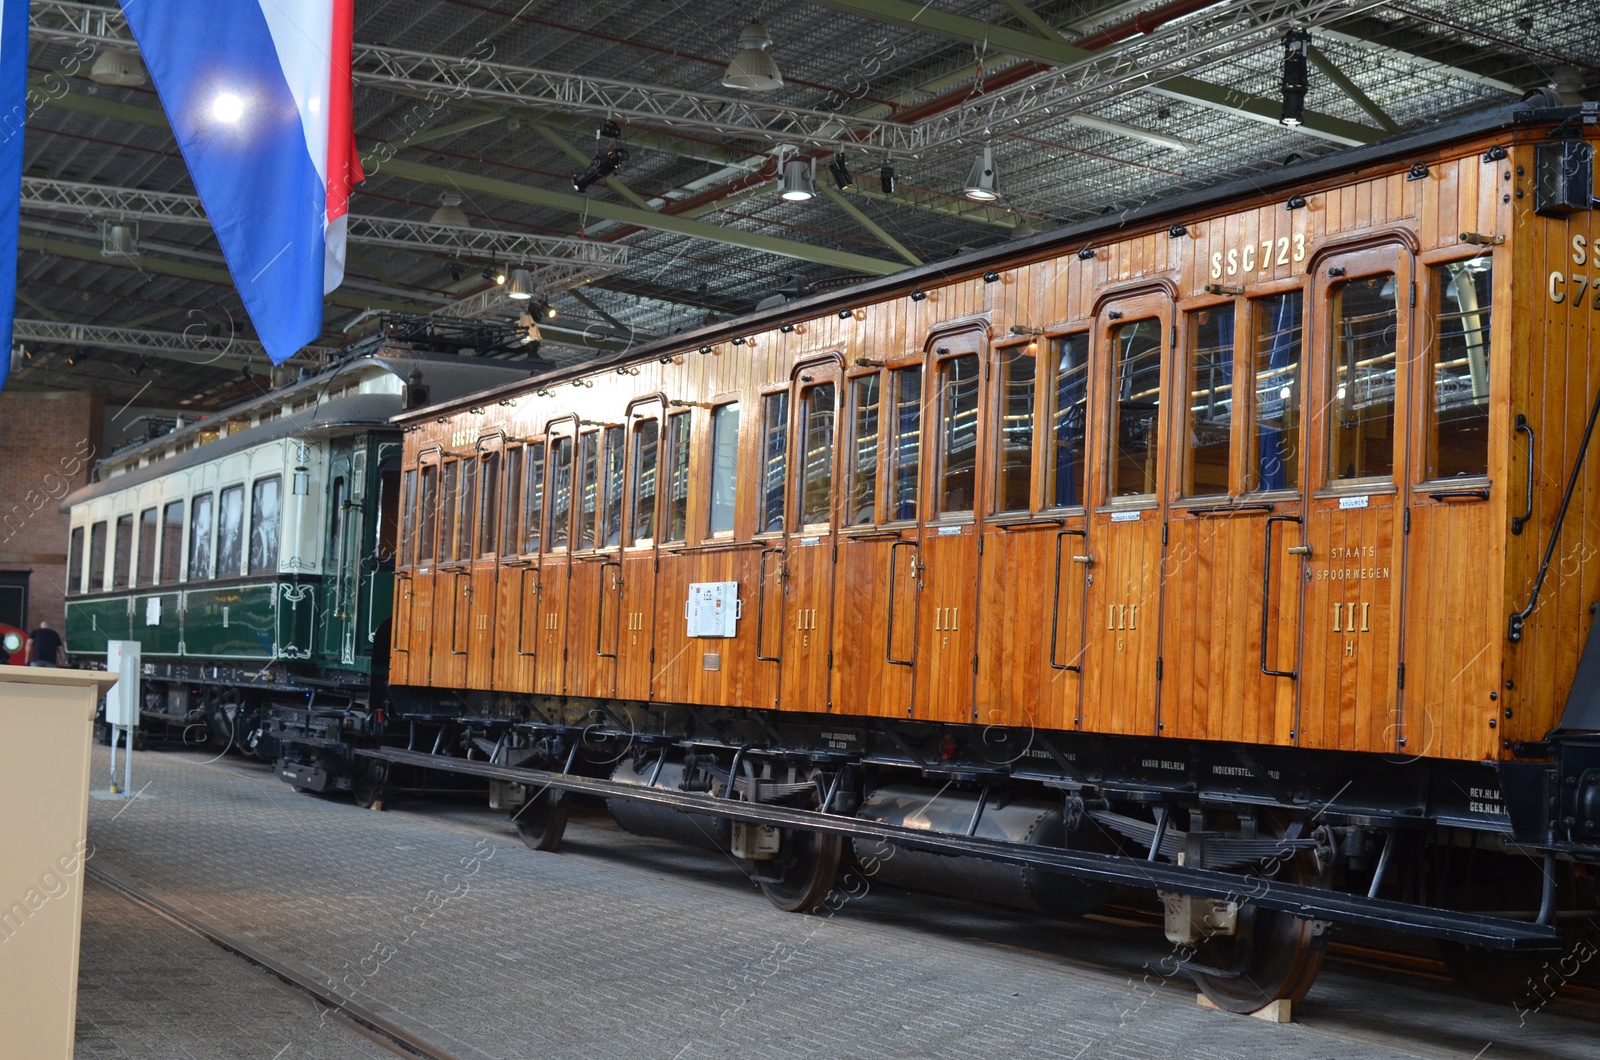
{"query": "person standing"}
(45, 647)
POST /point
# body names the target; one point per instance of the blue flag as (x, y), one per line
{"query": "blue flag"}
(14, 107)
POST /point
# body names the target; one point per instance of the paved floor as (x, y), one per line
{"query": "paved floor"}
(631, 948)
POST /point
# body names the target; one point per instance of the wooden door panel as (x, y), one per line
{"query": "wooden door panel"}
(1212, 686)
(1016, 684)
(1454, 670)
(591, 640)
(400, 631)
(947, 623)
(1123, 620)
(867, 632)
(482, 625)
(635, 615)
(516, 627)
(452, 620)
(550, 664)
(806, 621)
(672, 676)
(1351, 648)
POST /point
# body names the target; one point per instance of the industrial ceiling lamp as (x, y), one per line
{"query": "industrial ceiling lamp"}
(981, 185)
(886, 179)
(752, 69)
(118, 66)
(1295, 43)
(609, 155)
(118, 241)
(520, 287)
(796, 183)
(450, 212)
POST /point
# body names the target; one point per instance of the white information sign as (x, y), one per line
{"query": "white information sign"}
(713, 609)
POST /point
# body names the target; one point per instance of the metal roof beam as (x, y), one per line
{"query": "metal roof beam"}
(185, 346)
(1087, 76)
(1350, 88)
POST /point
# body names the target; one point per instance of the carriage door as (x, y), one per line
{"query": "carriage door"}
(550, 665)
(452, 598)
(949, 548)
(810, 546)
(1125, 541)
(1355, 513)
(336, 623)
(424, 575)
(517, 587)
(483, 541)
(636, 599)
(400, 629)
(594, 590)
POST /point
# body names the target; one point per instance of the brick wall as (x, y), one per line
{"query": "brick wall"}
(51, 440)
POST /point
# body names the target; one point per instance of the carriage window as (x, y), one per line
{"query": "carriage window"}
(388, 512)
(611, 519)
(905, 447)
(1361, 440)
(230, 532)
(816, 435)
(469, 505)
(1208, 440)
(145, 572)
(1459, 442)
(864, 450)
(588, 487)
(533, 498)
(646, 449)
(1069, 421)
(1017, 371)
(511, 514)
(560, 492)
(406, 518)
(1136, 423)
(123, 556)
(677, 519)
(774, 460)
(97, 557)
(488, 501)
(265, 519)
(171, 542)
(200, 537)
(724, 465)
(336, 521)
(1275, 354)
(426, 522)
(447, 511)
(75, 562)
(958, 433)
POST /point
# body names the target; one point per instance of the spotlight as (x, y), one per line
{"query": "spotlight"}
(500, 275)
(841, 173)
(991, 276)
(609, 155)
(118, 66)
(1295, 43)
(886, 179)
(981, 185)
(487, 274)
(77, 356)
(550, 312)
(521, 286)
(795, 184)
(138, 369)
(752, 69)
(246, 374)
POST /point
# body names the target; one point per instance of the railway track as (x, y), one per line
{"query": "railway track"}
(385, 1030)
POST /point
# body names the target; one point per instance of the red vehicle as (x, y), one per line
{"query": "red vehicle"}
(13, 645)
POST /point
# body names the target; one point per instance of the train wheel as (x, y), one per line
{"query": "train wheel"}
(804, 871)
(220, 715)
(366, 787)
(542, 820)
(1273, 956)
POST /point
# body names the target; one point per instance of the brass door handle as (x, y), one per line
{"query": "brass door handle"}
(1299, 550)
(1087, 561)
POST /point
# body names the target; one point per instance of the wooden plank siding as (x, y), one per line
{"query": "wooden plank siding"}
(1164, 614)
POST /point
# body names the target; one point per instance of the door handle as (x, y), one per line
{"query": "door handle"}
(1087, 561)
(1299, 550)
(1055, 608)
(1266, 591)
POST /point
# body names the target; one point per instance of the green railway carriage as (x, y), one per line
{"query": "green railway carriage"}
(250, 554)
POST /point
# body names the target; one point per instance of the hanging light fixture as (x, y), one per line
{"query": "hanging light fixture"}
(1295, 43)
(796, 183)
(886, 179)
(520, 287)
(752, 69)
(450, 212)
(982, 185)
(609, 156)
(118, 241)
(841, 173)
(118, 66)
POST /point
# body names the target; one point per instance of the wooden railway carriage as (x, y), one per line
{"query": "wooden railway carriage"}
(251, 555)
(1245, 537)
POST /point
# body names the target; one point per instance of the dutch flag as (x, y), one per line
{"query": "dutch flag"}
(13, 114)
(258, 94)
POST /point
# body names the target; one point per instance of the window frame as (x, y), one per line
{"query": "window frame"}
(763, 525)
(1255, 300)
(430, 466)
(512, 484)
(998, 394)
(711, 472)
(406, 547)
(122, 552)
(208, 574)
(1397, 266)
(937, 513)
(674, 441)
(557, 437)
(1184, 491)
(449, 501)
(180, 555)
(798, 468)
(631, 477)
(891, 467)
(254, 526)
(143, 576)
(612, 486)
(486, 520)
(1425, 473)
(535, 495)
(1112, 450)
(850, 451)
(1049, 403)
(590, 541)
(76, 567)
